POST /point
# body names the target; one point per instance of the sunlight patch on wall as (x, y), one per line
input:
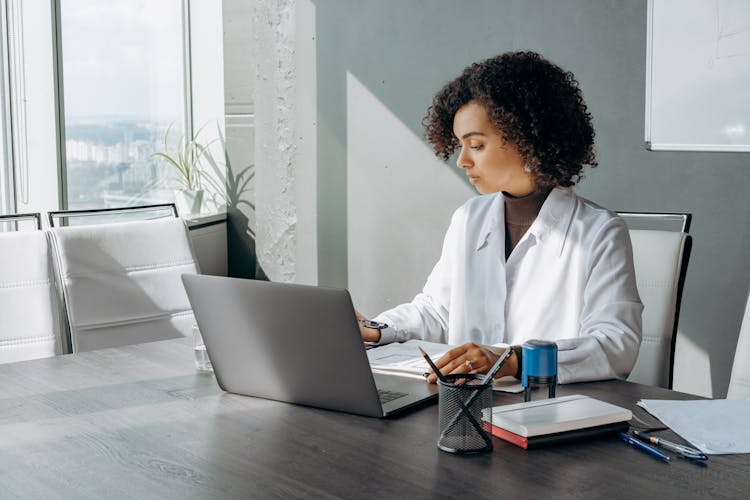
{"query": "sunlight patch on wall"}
(400, 198)
(692, 368)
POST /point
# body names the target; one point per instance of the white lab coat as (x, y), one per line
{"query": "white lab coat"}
(570, 279)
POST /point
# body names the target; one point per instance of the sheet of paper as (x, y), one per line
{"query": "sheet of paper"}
(507, 384)
(714, 426)
(405, 359)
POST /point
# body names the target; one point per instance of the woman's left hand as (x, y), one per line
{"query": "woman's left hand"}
(473, 358)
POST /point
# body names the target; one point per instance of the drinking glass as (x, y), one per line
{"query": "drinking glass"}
(202, 363)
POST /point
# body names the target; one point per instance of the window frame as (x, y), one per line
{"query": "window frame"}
(62, 154)
(7, 165)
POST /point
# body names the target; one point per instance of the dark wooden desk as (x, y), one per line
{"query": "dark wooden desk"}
(139, 422)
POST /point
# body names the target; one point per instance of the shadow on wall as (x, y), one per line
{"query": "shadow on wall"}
(243, 262)
(231, 188)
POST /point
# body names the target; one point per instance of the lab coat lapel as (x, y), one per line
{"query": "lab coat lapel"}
(491, 227)
(552, 225)
(486, 305)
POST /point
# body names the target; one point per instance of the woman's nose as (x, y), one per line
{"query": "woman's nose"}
(463, 160)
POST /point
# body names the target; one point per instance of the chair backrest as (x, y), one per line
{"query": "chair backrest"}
(661, 260)
(20, 222)
(62, 218)
(739, 381)
(29, 307)
(679, 222)
(121, 282)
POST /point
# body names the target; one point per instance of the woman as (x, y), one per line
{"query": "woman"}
(529, 258)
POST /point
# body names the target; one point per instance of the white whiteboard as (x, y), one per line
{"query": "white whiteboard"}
(698, 75)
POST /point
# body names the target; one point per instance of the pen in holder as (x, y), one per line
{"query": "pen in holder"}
(539, 367)
(460, 407)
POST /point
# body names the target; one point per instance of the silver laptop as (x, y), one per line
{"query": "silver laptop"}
(295, 343)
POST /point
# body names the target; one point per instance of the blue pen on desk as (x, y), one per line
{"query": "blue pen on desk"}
(643, 446)
(683, 451)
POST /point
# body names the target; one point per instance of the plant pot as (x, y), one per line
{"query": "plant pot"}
(188, 202)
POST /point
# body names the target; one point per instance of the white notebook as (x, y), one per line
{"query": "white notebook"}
(549, 416)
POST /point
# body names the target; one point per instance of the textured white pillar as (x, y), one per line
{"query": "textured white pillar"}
(275, 147)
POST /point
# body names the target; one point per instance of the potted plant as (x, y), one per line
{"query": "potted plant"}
(186, 158)
(229, 186)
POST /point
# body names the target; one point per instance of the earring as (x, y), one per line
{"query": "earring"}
(527, 168)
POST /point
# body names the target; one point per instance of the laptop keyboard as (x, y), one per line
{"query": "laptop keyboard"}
(388, 396)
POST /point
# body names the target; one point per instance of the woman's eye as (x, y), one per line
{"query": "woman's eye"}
(477, 148)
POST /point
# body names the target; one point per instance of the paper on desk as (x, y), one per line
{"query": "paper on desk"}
(405, 359)
(714, 426)
(507, 384)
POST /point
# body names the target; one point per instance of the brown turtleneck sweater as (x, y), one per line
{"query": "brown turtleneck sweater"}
(520, 213)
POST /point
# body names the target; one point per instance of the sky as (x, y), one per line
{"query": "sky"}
(122, 58)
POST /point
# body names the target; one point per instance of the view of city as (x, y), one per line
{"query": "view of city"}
(109, 163)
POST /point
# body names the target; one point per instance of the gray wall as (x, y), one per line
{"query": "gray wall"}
(239, 82)
(378, 64)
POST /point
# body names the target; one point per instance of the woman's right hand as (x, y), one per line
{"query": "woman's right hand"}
(368, 334)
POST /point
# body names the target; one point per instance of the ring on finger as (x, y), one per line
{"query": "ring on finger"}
(469, 364)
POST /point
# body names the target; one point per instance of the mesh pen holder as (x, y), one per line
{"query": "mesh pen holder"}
(460, 406)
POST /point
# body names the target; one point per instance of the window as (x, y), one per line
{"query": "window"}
(123, 75)
(6, 162)
(88, 89)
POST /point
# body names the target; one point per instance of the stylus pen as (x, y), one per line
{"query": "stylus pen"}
(683, 451)
(643, 446)
(498, 364)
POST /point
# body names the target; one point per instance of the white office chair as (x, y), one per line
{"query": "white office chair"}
(661, 260)
(29, 307)
(121, 282)
(739, 381)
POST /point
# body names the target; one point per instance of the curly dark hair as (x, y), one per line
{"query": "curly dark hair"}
(534, 103)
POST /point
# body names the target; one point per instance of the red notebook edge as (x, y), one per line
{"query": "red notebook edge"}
(501, 433)
(558, 437)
